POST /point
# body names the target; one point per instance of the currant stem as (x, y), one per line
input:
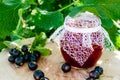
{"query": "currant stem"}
(66, 7)
(75, 2)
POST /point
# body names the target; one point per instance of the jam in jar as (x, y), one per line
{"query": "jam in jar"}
(82, 41)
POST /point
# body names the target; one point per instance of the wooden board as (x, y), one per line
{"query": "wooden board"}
(51, 66)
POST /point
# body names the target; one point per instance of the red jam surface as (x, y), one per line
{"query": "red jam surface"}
(91, 61)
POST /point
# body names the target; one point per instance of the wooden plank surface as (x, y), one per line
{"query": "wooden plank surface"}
(51, 66)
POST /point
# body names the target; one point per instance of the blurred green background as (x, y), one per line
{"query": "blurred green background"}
(21, 19)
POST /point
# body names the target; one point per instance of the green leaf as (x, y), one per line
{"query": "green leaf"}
(106, 10)
(90, 1)
(51, 19)
(46, 4)
(113, 10)
(8, 20)
(97, 10)
(105, 17)
(43, 51)
(13, 44)
(23, 32)
(12, 2)
(7, 43)
(45, 21)
(118, 42)
(75, 10)
(39, 40)
(18, 3)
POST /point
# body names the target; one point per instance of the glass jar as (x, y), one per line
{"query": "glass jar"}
(82, 41)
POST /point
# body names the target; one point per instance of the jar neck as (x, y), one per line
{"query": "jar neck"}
(82, 30)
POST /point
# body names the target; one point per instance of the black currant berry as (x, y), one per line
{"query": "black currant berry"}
(16, 53)
(11, 51)
(90, 78)
(99, 69)
(37, 54)
(32, 65)
(94, 74)
(32, 58)
(38, 74)
(44, 78)
(26, 57)
(24, 48)
(11, 59)
(66, 67)
(19, 61)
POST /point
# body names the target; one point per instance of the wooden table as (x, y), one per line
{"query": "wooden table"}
(51, 66)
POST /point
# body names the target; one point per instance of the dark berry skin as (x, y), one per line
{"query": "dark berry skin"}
(11, 59)
(38, 74)
(11, 51)
(66, 67)
(32, 58)
(44, 78)
(16, 53)
(24, 48)
(90, 78)
(94, 74)
(37, 54)
(32, 65)
(99, 69)
(19, 61)
(26, 57)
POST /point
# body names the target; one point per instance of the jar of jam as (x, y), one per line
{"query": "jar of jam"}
(82, 41)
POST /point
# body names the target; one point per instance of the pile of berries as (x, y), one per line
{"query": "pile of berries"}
(19, 57)
(94, 74)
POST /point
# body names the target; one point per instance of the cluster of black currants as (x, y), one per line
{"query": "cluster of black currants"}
(95, 74)
(19, 57)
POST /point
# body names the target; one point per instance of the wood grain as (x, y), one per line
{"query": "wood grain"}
(51, 66)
